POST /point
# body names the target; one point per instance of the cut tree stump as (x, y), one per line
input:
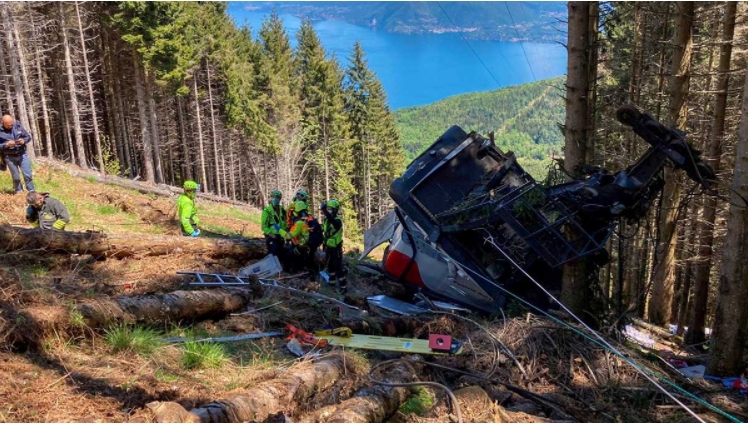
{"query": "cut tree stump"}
(372, 404)
(125, 245)
(103, 313)
(282, 394)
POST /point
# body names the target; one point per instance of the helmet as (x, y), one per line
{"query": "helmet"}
(276, 193)
(191, 185)
(299, 207)
(301, 194)
(333, 204)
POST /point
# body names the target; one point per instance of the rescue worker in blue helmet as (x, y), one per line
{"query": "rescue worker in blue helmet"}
(187, 211)
(332, 232)
(273, 221)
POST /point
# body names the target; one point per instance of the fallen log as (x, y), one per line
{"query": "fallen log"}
(280, 394)
(103, 313)
(372, 404)
(657, 330)
(125, 245)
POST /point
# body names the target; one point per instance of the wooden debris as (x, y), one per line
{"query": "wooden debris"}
(125, 245)
(372, 404)
(281, 394)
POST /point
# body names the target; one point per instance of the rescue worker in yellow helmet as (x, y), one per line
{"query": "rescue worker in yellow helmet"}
(187, 211)
(45, 212)
(305, 236)
(273, 221)
(332, 232)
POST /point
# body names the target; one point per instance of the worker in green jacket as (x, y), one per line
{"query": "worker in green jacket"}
(187, 211)
(332, 233)
(273, 222)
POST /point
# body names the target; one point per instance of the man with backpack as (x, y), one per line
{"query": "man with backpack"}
(305, 236)
(332, 233)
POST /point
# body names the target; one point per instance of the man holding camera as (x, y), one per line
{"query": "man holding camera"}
(13, 141)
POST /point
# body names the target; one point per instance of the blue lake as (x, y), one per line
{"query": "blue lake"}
(423, 68)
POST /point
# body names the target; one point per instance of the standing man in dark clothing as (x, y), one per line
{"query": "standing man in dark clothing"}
(13, 141)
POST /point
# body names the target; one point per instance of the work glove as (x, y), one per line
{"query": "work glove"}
(195, 233)
(276, 227)
(35, 224)
(59, 225)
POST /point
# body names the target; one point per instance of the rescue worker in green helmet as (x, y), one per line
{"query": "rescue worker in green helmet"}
(332, 233)
(300, 195)
(273, 221)
(305, 236)
(187, 211)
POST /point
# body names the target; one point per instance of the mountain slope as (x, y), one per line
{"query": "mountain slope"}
(506, 21)
(524, 118)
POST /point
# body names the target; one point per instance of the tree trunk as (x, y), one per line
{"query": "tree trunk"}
(73, 92)
(284, 393)
(27, 93)
(574, 285)
(144, 123)
(372, 404)
(186, 162)
(153, 122)
(16, 72)
(89, 84)
(213, 132)
(6, 77)
(702, 270)
(42, 89)
(203, 174)
(664, 277)
(191, 305)
(728, 336)
(125, 245)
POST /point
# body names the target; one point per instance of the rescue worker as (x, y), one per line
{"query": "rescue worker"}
(13, 141)
(300, 195)
(45, 212)
(332, 233)
(305, 236)
(273, 215)
(187, 211)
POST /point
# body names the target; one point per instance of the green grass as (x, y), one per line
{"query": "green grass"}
(419, 403)
(139, 340)
(166, 377)
(107, 210)
(203, 355)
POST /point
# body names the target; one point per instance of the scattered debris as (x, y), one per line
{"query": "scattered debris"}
(393, 305)
(223, 339)
(638, 336)
(266, 268)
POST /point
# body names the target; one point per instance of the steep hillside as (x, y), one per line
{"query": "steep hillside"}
(115, 210)
(524, 118)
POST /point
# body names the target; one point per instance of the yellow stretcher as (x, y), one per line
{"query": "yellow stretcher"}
(344, 337)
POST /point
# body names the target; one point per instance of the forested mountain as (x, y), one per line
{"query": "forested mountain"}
(167, 92)
(505, 21)
(525, 120)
